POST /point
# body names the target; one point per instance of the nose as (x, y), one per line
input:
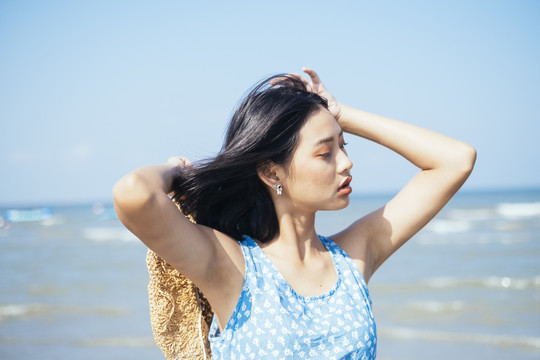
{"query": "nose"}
(344, 163)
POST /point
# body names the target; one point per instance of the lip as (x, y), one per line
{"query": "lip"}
(345, 188)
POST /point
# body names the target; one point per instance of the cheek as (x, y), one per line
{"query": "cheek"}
(312, 175)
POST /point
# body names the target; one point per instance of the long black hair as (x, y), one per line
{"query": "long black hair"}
(225, 192)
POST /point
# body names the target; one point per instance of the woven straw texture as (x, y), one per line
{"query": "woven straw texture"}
(179, 313)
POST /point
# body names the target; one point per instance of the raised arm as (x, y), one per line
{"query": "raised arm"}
(200, 253)
(444, 164)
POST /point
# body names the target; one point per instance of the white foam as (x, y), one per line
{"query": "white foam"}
(499, 282)
(480, 239)
(491, 339)
(108, 234)
(480, 214)
(133, 342)
(18, 310)
(436, 306)
(449, 226)
(119, 342)
(13, 310)
(53, 220)
(518, 210)
(28, 310)
(443, 282)
(506, 282)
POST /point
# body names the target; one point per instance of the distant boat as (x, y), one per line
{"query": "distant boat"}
(27, 215)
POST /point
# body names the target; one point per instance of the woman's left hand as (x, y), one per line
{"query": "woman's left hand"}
(318, 88)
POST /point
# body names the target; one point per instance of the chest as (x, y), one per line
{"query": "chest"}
(308, 280)
(274, 320)
(279, 323)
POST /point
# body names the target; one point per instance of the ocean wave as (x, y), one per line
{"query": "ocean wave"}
(476, 239)
(453, 228)
(403, 333)
(497, 282)
(54, 220)
(449, 226)
(451, 283)
(478, 214)
(108, 234)
(518, 210)
(118, 342)
(438, 307)
(96, 342)
(500, 210)
(11, 311)
(19, 310)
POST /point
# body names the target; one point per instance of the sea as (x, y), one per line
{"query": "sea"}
(73, 282)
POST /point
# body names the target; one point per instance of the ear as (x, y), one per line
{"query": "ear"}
(269, 172)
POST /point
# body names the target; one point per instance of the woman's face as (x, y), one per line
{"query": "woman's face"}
(318, 175)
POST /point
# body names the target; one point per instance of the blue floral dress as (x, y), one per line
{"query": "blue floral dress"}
(272, 321)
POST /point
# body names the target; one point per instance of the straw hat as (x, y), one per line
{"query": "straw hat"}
(179, 313)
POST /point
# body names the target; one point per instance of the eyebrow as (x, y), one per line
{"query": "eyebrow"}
(328, 139)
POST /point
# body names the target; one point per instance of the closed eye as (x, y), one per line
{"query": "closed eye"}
(327, 154)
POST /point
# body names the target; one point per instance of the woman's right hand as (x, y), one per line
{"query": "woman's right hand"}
(318, 88)
(179, 161)
(176, 163)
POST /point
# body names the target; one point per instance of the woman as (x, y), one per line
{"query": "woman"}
(277, 289)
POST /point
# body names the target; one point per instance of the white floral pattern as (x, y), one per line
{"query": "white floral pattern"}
(272, 321)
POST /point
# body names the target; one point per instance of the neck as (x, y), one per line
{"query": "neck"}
(297, 236)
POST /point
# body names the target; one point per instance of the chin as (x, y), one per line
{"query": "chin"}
(347, 202)
(339, 205)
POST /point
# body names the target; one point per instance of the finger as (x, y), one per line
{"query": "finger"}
(179, 161)
(187, 161)
(174, 160)
(312, 74)
(277, 80)
(303, 79)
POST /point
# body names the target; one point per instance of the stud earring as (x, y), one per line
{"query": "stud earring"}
(279, 189)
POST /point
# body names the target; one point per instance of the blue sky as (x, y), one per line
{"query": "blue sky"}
(90, 90)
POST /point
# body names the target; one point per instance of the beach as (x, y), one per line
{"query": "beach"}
(73, 282)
